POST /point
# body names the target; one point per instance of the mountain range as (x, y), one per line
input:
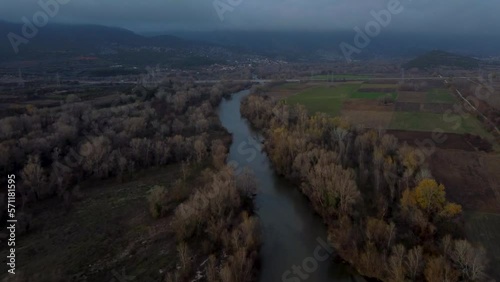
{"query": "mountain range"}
(184, 49)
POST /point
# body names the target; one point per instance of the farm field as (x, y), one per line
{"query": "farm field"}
(470, 178)
(376, 85)
(440, 96)
(342, 76)
(324, 99)
(372, 95)
(288, 89)
(422, 111)
(464, 142)
(420, 121)
(369, 119)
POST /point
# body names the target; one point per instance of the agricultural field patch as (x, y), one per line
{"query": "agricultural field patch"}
(429, 121)
(381, 81)
(366, 105)
(371, 95)
(387, 88)
(465, 142)
(323, 99)
(368, 119)
(407, 107)
(379, 85)
(437, 108)
(342, 76)
(288, 89)
(469, 178)
(412, 96)
(440, 95)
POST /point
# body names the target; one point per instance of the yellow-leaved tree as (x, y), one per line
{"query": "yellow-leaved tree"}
(430, 197)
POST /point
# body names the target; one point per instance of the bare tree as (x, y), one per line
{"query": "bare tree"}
(438, 269)
(414, 262)
(397, 269)
(200, 149)
(33, 176)
(470, 261)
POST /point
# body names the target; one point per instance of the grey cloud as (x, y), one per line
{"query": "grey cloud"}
(463, 16)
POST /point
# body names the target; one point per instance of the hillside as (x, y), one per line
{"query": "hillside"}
(57, 42)
(438, 58)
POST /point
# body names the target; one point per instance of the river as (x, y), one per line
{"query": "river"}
(293, 236)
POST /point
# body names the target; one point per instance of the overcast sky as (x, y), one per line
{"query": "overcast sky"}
(458, 16)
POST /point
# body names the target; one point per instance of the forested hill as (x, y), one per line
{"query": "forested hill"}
(60, 41)
(438, 58)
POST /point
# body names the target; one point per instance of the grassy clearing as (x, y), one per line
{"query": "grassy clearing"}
(484, 228)
(323, 99)
(431, 121)
(439, 95)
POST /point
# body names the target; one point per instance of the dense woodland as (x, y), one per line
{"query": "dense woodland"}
(386, 215)
(54, 150)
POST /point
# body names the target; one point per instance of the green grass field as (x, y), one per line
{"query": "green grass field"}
(439, 95)
(431, 121)
(324, 99)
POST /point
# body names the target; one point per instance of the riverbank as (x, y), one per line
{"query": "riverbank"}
(291, 232)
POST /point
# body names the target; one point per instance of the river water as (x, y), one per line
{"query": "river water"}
(293, 237)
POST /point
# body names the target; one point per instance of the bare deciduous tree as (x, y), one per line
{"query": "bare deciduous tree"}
(33, 176)
(414, 262)
(470, 260)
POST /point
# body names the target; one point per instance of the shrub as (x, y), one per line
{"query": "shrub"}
(157, 201)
